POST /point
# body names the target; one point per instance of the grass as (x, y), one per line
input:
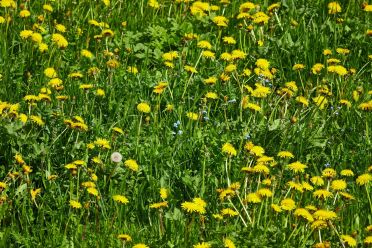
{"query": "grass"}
(201, 163)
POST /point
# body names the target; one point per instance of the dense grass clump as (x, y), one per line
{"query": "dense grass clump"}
(181, 123)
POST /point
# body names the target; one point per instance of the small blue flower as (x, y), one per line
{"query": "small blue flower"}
(180, 132)
(176, 124)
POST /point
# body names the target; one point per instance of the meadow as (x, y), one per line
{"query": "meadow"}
(181, 123)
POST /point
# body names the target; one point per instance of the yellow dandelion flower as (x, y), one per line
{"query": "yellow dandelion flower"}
(350, 241)
(50, 72)
(228, 243)
(368, 8)
(296, 186)
(120, 198)
(208, 54)
(75, 204)
(34, 193)
(334, 8)
(276, 208)
(338, 185)
(257, 151)
(298, 67)
(368, 240)
(19, 159)
(118, 130)
(347, 195)
(48, 8)
(342, 51)
(322, 194)
(204, 44)
(263, 64)
(159, 205)
(320, 101)
(319, 224)
(86, 53)
(253, 198)
(333, 61)
(307, 186)
(273, 7)
(261, 168)
(140, 245)
(323, 214)
(160, 87)
(170, 56)
(217, 216)
(347, 173)
(265, 192)
(192, 116)
(92, 191)
(260, 18)
(226, 56)
(59, 40)
(246, 7)
(329, 173)
(202, 245)
(163, 193)
(36, 37)
(132, 69)
(285, 154)
(124, 237)
(24, 13)
(103, 143)
(311, 208)
(220, 21)
(25, 34)
(317, 68)
(366, 106)
(131, 164)
(154, 4)
(229, 149)
(229, 40)
(302, 212)
(224, 77)
(211, 95)
(338, 69)
(192, 207)
(37, 120)
(88, 184)
(229, 212)
(3, 185)
(364, 179)
(297, 167)
(144, 107)
(226, 193)
(191, 69)
(288, 204)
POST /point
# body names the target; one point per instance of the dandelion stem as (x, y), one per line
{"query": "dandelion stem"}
(244, 208)
(342, 243)
(320, 236)
(227, 172)
(295, 230)
(192, 74)
(241, 217)
(369, 198)
(138, 133)
(334, 201)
